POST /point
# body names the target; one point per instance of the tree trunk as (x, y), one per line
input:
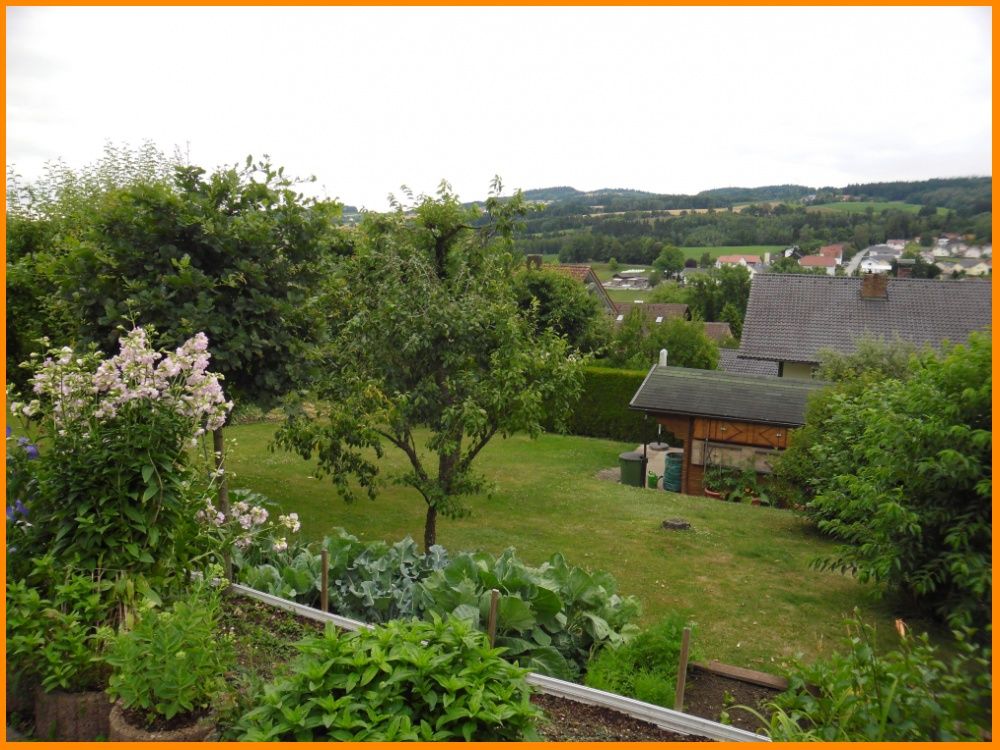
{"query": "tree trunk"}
(219, 447)
(430, 528)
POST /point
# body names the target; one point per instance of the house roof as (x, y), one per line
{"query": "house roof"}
(718, 330)
(730, 361)
(832, 251)
(723, 395)
(655, 310)
(737, 258)
(820, 261)
(791, 317)
(586, 276)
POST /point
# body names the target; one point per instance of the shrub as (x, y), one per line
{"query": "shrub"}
(904, 481)
(910, 694)
(602, 410)
(172, 662)
(418, 681)
(644, 668)
(58, 641)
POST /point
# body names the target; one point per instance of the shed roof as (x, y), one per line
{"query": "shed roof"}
(723, 395)
(791, 317)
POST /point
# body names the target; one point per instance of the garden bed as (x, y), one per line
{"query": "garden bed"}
(264, 636)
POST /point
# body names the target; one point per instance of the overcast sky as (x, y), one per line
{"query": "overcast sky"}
(662, 99)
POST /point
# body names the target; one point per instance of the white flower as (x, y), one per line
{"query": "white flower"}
(280, 546)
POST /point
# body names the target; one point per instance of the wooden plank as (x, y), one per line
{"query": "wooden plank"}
(682, 670)
(744, 675)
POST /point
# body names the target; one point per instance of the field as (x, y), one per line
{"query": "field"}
(742, 574)
(715, 252)
(859, 207)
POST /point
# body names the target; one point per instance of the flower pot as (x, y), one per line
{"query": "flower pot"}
(122, 730)
(71, 716)
(755, 501)
(713, 493)
(20, 694)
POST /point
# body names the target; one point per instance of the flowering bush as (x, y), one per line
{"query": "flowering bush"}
(248, 526)
(114, 489)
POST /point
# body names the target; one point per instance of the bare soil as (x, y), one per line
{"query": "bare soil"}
(569, 721)
(714, 697)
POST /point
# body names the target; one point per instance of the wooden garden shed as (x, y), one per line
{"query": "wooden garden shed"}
(723, 418)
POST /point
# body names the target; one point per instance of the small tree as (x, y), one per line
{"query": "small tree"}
(670, 261)
(431, 337)
(556, 302)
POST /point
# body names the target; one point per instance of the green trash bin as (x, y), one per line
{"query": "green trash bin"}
(672, 472)
(633, 468)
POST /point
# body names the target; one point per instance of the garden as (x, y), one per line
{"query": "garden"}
(118, 620)
(429, 408)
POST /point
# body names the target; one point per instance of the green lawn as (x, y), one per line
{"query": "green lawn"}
(859, 207)
(742, 574)
(715, 252)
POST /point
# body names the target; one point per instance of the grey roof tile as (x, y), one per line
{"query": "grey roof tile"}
(730, 361)
(711, 393)
(791, 317)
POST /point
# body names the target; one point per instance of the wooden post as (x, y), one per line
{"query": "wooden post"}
(219, 448)
(324, 591)
(491, 625)
(682, 668)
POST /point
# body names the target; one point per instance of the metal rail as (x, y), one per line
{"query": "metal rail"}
(665, 718)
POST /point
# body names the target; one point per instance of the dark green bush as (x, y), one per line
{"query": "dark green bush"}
(644, 668)
(911, 694)
(902, 478)
(602, 410)
(403, 681)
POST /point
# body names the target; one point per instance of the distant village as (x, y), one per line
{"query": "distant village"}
(953, 255)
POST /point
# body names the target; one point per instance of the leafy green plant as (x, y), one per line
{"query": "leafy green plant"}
(902, 478)
(915, 693)
(172, 662)
(550, 619)
(426, 681)
(644, 668)
(58, 641)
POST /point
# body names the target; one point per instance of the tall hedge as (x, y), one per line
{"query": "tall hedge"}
(602, 410)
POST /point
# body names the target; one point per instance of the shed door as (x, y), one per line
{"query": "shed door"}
(775, 437)
(730, 432)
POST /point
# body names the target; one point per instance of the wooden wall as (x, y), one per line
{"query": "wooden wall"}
(688, 429)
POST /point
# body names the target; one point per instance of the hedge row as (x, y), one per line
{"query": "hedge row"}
(602, 410)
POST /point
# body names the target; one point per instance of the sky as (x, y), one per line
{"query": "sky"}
(668, 100)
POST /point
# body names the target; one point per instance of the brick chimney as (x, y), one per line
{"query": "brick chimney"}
(874, 286)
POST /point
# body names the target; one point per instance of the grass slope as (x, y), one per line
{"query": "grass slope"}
(742, 574)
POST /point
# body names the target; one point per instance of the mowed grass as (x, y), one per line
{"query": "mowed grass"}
(742, 574)
(716, 251)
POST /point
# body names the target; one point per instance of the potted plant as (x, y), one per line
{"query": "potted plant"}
(167, 672)
(719, 482)
(58, 644)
